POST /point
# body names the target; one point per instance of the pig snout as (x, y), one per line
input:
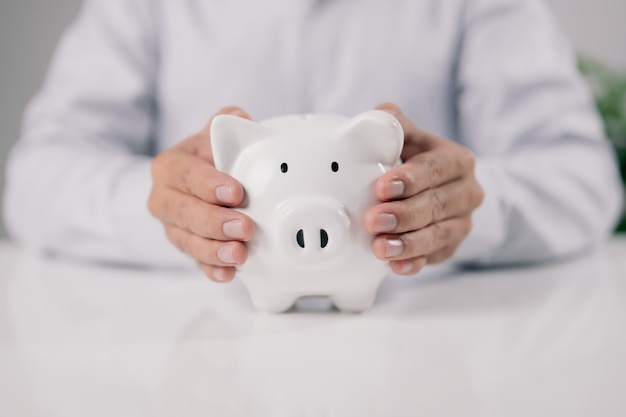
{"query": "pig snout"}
(313, 227)
(323, 238)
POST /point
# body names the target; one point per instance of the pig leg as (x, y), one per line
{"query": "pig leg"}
(354, 301)
(272, 303)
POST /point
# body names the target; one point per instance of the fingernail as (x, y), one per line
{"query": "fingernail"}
(407, 266)
(219, 274)
(234, 229)
(385, 222)
(224, 193)
(225, 254)
(395, 247)
(394, 189)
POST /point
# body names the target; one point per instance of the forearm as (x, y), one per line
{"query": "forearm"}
(549, 175)
(544, 204)
(79, 178)
(84, 203)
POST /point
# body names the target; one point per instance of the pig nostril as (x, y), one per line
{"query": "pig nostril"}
(323, 238)
(300, 238)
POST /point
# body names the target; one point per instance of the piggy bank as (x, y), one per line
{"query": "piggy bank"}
(308, 181)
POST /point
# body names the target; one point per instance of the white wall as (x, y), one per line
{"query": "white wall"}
(597, 27)
(29, 29)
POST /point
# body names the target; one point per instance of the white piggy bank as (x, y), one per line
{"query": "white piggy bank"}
(309, 181)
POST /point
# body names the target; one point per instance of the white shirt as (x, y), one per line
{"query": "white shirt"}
(134, 77)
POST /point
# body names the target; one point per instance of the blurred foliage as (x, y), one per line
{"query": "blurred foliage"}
(609, 89)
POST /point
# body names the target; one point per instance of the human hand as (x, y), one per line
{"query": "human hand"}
(194, 202)
(427, 202)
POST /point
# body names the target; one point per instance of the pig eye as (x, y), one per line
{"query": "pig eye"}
(334, 166)
(283, 167)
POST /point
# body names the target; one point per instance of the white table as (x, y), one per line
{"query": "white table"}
(81, 340)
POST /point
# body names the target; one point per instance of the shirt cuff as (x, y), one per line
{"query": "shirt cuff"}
(488, 232)
(142, 236)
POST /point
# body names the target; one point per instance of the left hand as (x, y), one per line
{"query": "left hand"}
(427, 202)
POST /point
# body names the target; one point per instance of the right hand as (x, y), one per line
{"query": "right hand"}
(194, 202)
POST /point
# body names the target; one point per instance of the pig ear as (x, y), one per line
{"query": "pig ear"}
(378, 134)
(230, 135)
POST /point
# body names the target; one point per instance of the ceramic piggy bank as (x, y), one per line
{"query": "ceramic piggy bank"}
(309, 181)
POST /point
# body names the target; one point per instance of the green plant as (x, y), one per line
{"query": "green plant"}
(609, 89)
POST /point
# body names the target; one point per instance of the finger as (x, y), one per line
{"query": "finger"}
(200, 144)
(450, 200)
(442, 255)
(193, 175)
(423, 242)
(218, 274)
(408, 266)
(207, 251)
(413, 136)
(425, 171)
(202, 219)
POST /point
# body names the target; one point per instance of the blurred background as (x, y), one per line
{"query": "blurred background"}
(30, 29)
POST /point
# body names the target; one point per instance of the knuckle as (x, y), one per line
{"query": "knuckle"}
(191, 145)
(164, 208)
(179, 208)
(185, 215)
(185, 243)
(438, 205)
(186, 178)
(161, 165)
(210, 228)
(152, 204)
(449, 252)
(435, 235)
(433, 169)
(208, 173)
(414, 245)
(419, 264)
(205, 183)
(411, 217)
(467, 160)
(442, 255)
(178, 238)
(408, 214)
(440, 235)
(478, 195)
(468, 225)
(169, 233)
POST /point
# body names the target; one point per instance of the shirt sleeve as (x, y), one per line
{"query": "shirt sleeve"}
(550, 177)
(79, 178)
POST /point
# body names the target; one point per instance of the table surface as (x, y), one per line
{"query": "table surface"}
(85, 340)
